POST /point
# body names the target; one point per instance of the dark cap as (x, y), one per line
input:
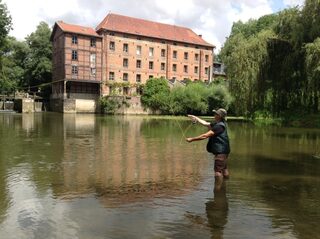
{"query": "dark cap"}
(221, 112)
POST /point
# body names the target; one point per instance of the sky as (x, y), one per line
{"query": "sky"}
(212, 19)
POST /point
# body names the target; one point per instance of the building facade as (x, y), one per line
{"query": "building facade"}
(120, 54)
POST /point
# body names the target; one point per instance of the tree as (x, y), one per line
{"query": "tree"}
(38, 63)
(5, 23)
(155, 94)
(313, 73)
(13, 64)
(5, 27)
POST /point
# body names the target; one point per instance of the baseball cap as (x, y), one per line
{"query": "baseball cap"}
(222, 112)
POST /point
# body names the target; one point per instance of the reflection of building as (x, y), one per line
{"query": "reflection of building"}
(120, 54)
(120, 164)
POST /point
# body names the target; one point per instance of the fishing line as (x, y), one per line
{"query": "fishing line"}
(182, 131)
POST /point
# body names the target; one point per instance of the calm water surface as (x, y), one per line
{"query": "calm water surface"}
(88, 176)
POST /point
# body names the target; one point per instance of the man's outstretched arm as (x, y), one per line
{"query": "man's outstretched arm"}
(210, 133)
(197, 119)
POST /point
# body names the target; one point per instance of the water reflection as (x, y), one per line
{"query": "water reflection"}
(121, 160)
(217, 210)
(89, 176)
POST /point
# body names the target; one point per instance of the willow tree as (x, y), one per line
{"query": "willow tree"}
(273, 62)
(244, 58)
(312, 62)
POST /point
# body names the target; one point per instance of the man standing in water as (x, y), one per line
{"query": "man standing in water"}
(218, 143)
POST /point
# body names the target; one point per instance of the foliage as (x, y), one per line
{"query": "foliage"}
(273, 62)
(110, 104)
(5, 27)
(5, 23)
(155, 94)
(195, 98)
(13, 67)
(39, 59)
(27, 63)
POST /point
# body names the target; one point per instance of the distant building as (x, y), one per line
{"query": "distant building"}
(218, 70)
(122, 52)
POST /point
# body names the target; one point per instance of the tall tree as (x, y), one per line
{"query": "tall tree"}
(13, 64)
(38, 64)
(5, 23)
(5, 27)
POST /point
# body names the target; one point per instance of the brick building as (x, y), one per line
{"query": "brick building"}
(124, 52)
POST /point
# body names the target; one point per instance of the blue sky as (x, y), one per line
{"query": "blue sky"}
(210, 18)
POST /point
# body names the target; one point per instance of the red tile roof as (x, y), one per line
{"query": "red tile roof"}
(77, 29)
(130, 25)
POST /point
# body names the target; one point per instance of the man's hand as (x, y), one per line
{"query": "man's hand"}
(193, 118)
(189, 140)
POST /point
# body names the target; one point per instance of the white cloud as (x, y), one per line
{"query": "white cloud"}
(211, 18)
(292, 3)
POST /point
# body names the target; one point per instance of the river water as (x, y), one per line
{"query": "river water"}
(90, 176)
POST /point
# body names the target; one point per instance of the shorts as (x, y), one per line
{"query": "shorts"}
(220, 162)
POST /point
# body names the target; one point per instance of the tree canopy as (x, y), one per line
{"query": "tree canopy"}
(273, 63)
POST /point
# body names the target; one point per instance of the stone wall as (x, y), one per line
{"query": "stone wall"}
(74, 105)
(7, 105)
(132, 106)
(24, 105)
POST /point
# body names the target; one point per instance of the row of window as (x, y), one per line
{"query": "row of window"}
(125, 76)
(125, 48)
(138, 63)
(93, 42)
(74, 56)
(74, 70)
(174, 69)
(162, 67)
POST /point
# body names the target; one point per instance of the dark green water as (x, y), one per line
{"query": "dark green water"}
(87, 176)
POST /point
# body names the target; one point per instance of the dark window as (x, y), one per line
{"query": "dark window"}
(112, 46)
(163, 65)
(74, 55)
(150, 65)
(74, 70)
(196, 69)
(186, 55)
(196, 57)
(174, 54)
(125, 77)
(206, 58)
(174, 67)
(93, 42)
(163, 52)
(125, 47)
(74, 39)
(138, 64)
(138, 78)
(185, 69)
(125, 62)
(111, 75)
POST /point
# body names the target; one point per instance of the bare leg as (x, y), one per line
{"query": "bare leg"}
(226, 173)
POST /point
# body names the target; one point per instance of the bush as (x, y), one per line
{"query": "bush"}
(155, 94)
(110, 105)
